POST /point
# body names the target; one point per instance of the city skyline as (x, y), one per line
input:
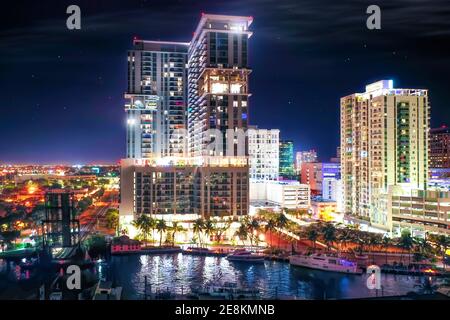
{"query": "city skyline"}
(304, 84)
(281, 150)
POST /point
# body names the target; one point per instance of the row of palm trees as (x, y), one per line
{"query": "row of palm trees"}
(265, 222)
(206, 229)
(203, 229)
(148, 225)
(345, 238)
(335, 237)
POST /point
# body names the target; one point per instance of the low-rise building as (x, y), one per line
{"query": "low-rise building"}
(286, 194)
(123, 245)
(418, 210)
(318, 175)
(324, 209)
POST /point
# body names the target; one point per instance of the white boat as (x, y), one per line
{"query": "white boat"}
(225, 291)
(243, 255)
(325, 262)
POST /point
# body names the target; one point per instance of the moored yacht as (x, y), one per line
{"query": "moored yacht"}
(325, 262)
(242, 255)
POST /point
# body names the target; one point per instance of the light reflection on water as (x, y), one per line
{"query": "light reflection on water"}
(179, 272)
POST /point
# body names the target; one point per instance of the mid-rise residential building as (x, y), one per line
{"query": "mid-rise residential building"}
(384, 142)
(263, 149)
(206, 187)
(420, 211)
(284, 194)
(218, 86)
(157, 99)
(440, 147)
(286, 167)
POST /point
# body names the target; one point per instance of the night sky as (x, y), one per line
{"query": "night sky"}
(62, 90)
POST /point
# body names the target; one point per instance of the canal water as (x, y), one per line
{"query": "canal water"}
(179, 272)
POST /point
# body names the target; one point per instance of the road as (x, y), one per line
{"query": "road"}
(94, 216)
(90, 223)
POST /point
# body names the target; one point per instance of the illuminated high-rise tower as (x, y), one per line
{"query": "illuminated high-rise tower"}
(156, 111)
(218, 85)
(384, 143)
(161, 175)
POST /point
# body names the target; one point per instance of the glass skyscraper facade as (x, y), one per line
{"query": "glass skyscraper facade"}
(286, 155)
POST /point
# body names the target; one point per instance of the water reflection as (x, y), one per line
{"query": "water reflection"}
(180, 272)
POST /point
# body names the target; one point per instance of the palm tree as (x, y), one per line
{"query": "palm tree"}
(220, 230)
(312, 235)
(161, 226)
(386, 242)
(198, 228)
(208, 228)
(143, 223)
(269, 228)
(253, 227)
(406, 242)
(281, 222)
(443, 242)
(176, 228)
(242, 233)
(373, 240)
(424, 248)
(344, 236)
(148, 225)
(152, 224)
(360, 238)
(329, 234)
(112, 220)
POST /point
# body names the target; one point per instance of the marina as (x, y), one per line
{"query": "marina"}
(174, 276)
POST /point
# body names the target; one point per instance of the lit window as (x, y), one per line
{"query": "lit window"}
(236, 88)
(219, 88)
